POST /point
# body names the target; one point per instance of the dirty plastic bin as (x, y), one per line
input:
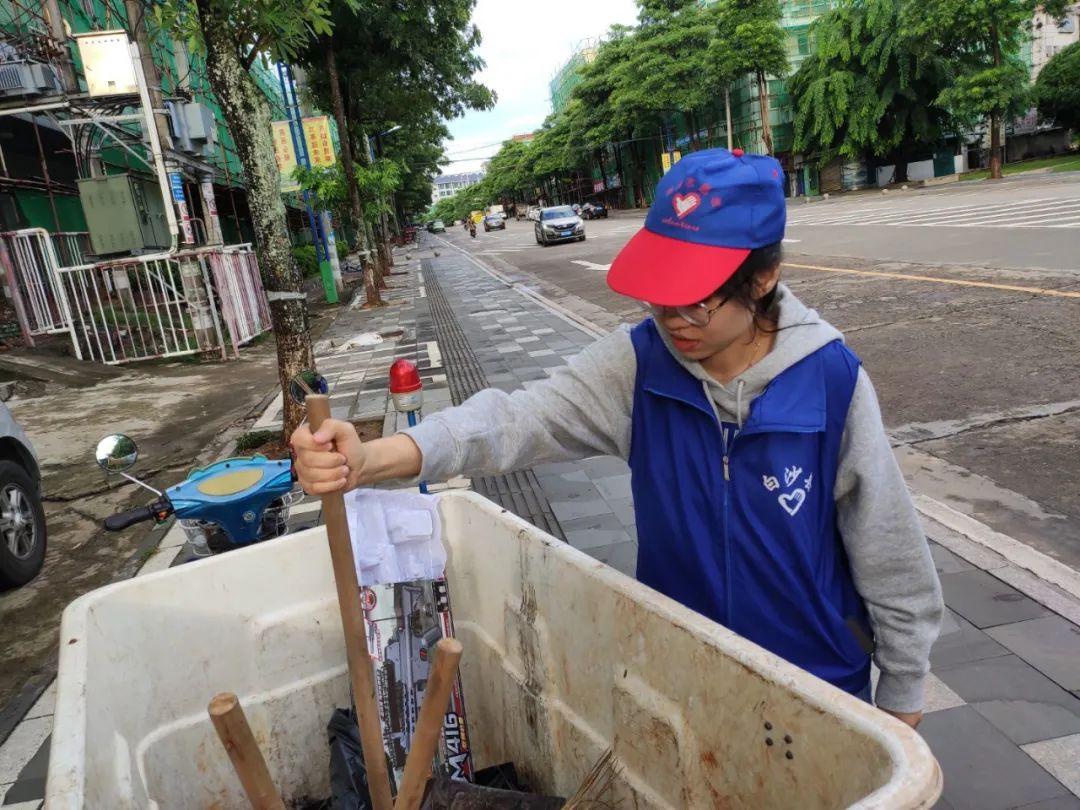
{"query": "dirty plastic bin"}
(563, 658)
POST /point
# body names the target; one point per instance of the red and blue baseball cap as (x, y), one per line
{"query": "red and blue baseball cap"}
(711, 209)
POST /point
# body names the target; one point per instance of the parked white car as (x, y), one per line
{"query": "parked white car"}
(22, 518)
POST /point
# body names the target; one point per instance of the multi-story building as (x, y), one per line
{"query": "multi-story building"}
(447, 185)
(568, 76)
(113, 148)
(42, 157)
(1049, 36)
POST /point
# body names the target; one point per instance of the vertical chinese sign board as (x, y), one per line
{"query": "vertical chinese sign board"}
(285, 155)
(320, 145)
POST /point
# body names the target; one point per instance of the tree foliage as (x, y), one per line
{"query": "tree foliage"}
(1057, 89)
(869, 87)
(409, 64)
(981, 39)
(377, 183)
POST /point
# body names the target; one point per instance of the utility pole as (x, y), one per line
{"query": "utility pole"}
(727, 113)
(160, 145)
(315, 222)
(59, 36)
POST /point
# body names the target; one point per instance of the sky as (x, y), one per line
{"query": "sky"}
(524, 43)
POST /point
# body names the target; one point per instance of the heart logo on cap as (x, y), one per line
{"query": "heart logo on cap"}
(685, 203)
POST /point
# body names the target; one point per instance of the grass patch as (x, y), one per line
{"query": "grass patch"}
(255, 439)
(1060, 163)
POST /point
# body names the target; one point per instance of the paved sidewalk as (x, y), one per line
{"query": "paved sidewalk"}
(1004, 695)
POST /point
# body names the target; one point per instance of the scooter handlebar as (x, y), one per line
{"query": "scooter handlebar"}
(122, 520)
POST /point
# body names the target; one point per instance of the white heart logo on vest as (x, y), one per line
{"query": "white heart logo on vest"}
(685, 203)
(792, 501)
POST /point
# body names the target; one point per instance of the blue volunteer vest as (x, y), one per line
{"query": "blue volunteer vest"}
(756, 548)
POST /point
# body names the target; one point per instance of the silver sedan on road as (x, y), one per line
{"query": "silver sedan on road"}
(558, 224)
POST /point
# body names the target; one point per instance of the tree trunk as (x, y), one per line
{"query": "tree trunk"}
(995, 116)
(763, 103)
(337, 101)
(619, 169)
(248, 119)
(639, 174)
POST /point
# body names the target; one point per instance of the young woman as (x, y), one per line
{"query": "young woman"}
(766, 494)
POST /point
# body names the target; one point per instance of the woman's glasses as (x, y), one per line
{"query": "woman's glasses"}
(698, 314)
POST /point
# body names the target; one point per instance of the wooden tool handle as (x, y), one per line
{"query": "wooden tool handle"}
(429, 724)
(232, 727)
(352, 621)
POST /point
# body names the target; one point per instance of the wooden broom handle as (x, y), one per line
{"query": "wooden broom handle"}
(429, 724)
(232, 727)
(352, 621)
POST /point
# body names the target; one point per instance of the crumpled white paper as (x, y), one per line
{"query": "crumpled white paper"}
(396, 536)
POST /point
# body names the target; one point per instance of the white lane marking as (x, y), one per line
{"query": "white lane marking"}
(591, 265)
(792, 240)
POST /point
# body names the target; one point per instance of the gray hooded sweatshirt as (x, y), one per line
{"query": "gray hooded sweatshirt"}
(584, 409)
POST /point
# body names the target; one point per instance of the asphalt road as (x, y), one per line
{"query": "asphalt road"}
(1021, 223)
(973, 348)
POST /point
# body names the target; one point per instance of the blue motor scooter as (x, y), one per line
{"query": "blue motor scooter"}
(227, 504)
(230, 503)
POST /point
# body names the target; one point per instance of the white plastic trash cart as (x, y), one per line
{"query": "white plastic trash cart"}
(563, 658)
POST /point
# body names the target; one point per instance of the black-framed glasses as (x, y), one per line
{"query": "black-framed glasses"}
(698, 314)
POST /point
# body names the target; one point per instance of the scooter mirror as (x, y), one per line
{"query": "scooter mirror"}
(116, 453)
(307, 382)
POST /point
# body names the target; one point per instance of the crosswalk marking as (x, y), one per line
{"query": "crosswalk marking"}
(1040, 212)
(876, 214)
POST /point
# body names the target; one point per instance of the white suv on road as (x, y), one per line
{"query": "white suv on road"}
(558, 224)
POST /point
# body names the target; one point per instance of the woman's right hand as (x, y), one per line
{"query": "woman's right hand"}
(330, 460)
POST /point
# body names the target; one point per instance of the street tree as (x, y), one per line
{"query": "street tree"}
(666, 68)
(232, 36)
(398, 63)
(869, 87)
(749, 39)
(982, 40)
(598, 119)
(508, 173)
(650, 11)
(348, 168)
(1057, 88)
(443, 209)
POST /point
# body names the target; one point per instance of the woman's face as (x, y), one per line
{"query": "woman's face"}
(730, 321)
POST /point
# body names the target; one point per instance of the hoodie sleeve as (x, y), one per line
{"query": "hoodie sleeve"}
(889, 555)
(581, 410)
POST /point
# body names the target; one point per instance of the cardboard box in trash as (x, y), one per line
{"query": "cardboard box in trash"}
(404, 621)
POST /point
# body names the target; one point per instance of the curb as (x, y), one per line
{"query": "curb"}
(584, 324)
(1038, 576)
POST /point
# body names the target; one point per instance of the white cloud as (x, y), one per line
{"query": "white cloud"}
(524, 43)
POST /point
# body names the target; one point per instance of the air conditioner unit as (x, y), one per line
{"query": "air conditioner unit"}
(27, 79)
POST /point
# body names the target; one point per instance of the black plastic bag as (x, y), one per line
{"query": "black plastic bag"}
(348, 777)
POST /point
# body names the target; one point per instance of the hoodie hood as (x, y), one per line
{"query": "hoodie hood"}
(801, 332)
